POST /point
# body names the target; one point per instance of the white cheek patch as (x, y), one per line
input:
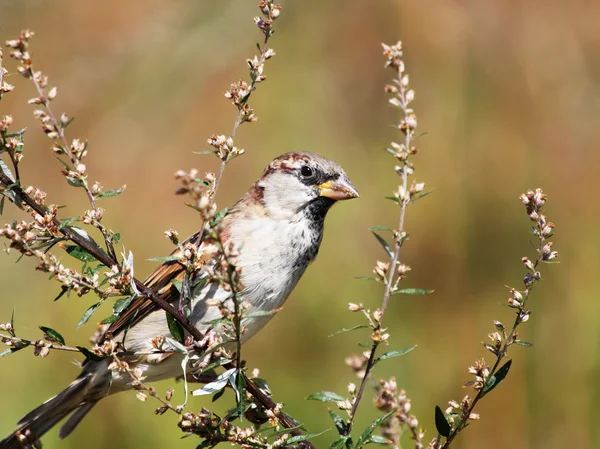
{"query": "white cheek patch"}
(284, 195)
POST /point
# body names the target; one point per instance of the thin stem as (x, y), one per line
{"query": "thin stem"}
(392, 279)
(502, 353)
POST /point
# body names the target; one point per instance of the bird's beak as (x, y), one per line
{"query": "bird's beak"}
(339, 189)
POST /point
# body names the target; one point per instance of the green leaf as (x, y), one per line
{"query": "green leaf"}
(218, 217)
(205, 152)
(53, 335)
(4, 169)
(367, 278)
(9, 351)
(218, 321)
(177, 347)
(393, 198)
(67, 222)
(2, 204)
(218, 395)
(339, 444)
(378, 439)
(177, 284)
(391, 354)
(121, 304)
(308, 436)
(497, 378)
(340, 424)
(441, 424)
(368, 432)
(165, 259)
(16, 134)
(175, 328)
(383, 243)
(218, 384)
(111, 193)
(116, 237)
(74, 182)
(89, 354)
(325, 396)
(262, 384)
(413, 291)
(79, 253)
(349, 329)
(88, 313)
(109, 320)
(419, 196)
(523, 343)
(381, 228)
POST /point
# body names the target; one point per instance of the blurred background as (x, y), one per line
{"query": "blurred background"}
(509, 95)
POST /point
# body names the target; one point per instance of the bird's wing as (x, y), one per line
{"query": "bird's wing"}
(160, 282)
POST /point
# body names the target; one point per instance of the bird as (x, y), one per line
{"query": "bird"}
(277, 226)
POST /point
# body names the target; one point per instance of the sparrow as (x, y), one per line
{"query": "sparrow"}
(277, 226)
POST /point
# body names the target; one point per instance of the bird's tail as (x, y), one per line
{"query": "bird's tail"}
(79, 397)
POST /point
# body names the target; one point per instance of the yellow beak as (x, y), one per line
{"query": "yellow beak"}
(339, 189)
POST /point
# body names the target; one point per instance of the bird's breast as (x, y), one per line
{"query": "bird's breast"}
(273, 256)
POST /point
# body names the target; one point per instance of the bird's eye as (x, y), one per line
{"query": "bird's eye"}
(307, 171)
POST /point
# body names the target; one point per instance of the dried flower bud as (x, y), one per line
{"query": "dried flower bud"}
(355, 307)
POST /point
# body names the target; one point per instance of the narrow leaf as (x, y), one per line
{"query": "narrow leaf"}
(308, 436)
(325, 396)
(381, 228)
(497, 378)
(177, 347)
(523, 343)
(164, 259)
(441, 424)
(389, 355)
(218, 384)
(177, 284)
(53, 335)
(378, 439)
(419, 196)
(109, 320)
(349, 329)
(88, 313)
(4, 168)
(413, 291)
(205, 152)
(368, 432)
(393, 198)
(121, 304)
(78, 253)
(339, 444)
(111, 193)
(367, 278)
(383, 243)
(89, 354)
(67, 222)
(175, 328)
(218, 217)
(9, 351)
(340, 424)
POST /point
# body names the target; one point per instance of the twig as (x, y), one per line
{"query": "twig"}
(404, 196)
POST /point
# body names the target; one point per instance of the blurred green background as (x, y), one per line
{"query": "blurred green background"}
(508, 93)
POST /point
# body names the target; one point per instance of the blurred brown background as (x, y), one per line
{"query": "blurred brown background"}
(508, 93)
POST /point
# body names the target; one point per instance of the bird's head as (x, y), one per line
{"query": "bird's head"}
(303, 183)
